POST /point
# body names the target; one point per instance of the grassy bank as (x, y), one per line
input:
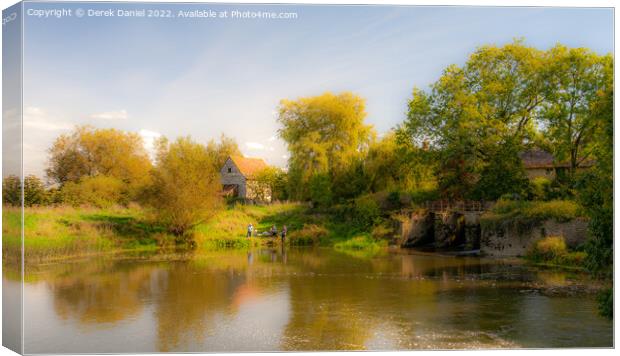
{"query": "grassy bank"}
(63, 232)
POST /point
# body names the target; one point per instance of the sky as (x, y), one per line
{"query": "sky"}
(207, 76)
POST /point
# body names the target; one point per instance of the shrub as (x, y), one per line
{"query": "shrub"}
(552, 249)
(540, 188)
(366, 212)
(309, 234)
(360, 242)
(548, 249)
(100, 191)
(524, 215)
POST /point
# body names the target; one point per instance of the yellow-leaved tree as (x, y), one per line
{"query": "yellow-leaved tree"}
(185, 188)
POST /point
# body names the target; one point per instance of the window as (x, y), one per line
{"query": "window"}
(229, 170)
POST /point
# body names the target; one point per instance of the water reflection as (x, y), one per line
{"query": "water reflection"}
(301, 299)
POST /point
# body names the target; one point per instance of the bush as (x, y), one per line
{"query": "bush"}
(605, 301)
(366, 212)
(524, 215)
(552, 249)
(309, 234)
(548, 249)
(540, 188)
(100, 191)
(361, 242)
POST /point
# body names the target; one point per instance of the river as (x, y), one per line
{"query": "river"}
(304, 299)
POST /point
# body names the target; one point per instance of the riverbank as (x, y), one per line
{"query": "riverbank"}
(65, 232)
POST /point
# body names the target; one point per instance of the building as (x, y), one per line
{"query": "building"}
(539, 163)
(238, 177)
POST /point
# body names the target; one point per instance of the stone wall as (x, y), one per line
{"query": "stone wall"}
(442, 230)
(507, 240)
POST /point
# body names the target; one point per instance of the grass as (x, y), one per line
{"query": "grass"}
(63, 232)
(527, 214)
(55, 232)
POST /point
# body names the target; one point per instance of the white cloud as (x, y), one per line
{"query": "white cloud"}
(38, 119)
(272, 138)
(111, 115)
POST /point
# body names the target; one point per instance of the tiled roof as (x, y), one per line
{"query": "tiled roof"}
(537, 159)
(249, 166)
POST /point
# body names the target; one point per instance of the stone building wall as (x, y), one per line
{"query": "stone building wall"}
(508, 241)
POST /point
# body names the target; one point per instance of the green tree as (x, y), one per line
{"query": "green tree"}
(34, 191)
(220, 151)
(574, 78)
(272, 180)
(324, 135)
(185, 189)
(12, 191)
(88, 152)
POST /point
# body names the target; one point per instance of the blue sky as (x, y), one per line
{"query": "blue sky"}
(204, 77)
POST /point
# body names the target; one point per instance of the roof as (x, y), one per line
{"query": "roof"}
(537, 159)
(249, 166)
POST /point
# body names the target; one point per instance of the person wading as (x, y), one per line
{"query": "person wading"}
(250, 230)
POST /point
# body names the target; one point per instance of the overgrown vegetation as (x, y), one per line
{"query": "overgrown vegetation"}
(524, 215)
(552, 250)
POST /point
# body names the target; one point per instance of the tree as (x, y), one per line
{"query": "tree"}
(34, 191)
(12, 191)
(473, 112)
(324, 134)
(185, 188)
(100, 191)
(273, 180)
(221, 151)
(88, 152)
(574, 77)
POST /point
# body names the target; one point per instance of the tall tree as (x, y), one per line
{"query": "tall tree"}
(324, 135)
(574, 78)
(185, 189)
(88, 152)
(472, 112)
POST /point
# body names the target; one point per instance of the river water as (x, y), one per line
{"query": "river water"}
(304, 299)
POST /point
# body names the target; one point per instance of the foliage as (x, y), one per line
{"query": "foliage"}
(478, 116)
(11, 191)
(526, 214)
(320, 189)
(392, 164)
(540, 188)
(34, 191)
(100, 191)
(574, 78)
(553, 250)
(309, 234)
(324, 135)
(366, 212)
(88, 152)
(595, 188)
(606, 303)
(502, 174)
(361, 242)
(273, 180)
(220, 151)
(185, 185)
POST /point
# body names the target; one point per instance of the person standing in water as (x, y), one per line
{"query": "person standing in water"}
(283, 234)
(250, 230)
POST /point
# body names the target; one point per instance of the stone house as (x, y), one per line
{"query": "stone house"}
(238, 178)
(539, 163)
